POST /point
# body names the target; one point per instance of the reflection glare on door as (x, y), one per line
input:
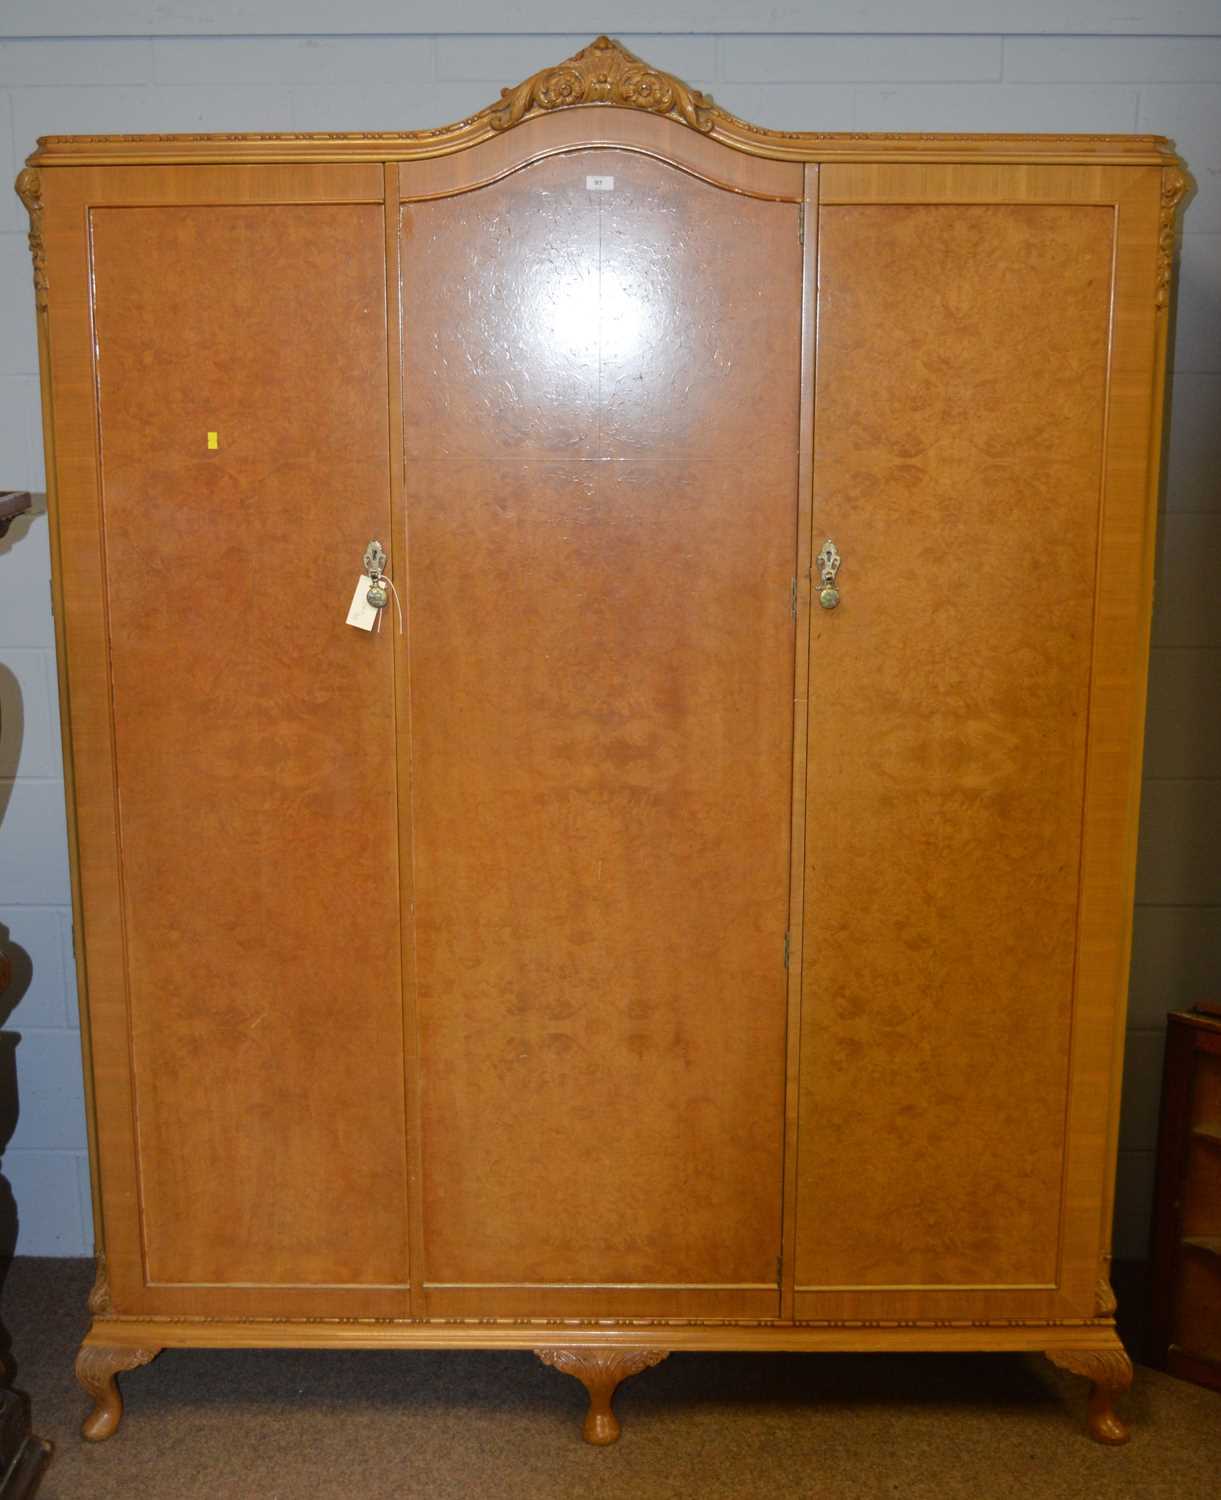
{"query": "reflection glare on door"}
(581, 310)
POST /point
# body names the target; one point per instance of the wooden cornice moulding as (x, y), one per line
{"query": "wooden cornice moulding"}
(603, 74)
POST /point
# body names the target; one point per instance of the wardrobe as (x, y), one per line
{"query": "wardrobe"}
(603, 660)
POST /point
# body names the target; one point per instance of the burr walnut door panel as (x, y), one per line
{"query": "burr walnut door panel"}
(242, 388)
(961, 400)
(601, 531)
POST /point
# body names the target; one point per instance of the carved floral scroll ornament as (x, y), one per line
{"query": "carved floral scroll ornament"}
(100, 1303)
(29, 190)
(603, 73)
(1174, 185)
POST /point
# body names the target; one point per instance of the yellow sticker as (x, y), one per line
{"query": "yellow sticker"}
(213, 441)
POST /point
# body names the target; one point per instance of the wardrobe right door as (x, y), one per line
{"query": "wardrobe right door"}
(986, 360)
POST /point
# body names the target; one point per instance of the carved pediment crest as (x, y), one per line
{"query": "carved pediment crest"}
(603, 73)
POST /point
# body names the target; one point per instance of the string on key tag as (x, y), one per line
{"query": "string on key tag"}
(389, 582)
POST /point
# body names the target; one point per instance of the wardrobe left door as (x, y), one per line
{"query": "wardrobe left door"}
(218, 378)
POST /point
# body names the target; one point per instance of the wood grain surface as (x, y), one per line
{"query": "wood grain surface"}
(958, 470)
(254, 736)
(602, 516)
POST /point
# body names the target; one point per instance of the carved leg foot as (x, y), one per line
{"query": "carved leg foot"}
(600, 1371)
(96, 1368)
(1110, 1371)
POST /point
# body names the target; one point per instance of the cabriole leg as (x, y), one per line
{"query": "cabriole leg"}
(96, 1368)
(1109, 1371)
(600, 1371)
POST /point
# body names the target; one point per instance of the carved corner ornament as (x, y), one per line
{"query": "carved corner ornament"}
(29, 190)
(603, 73)
(1174, 185)
(99, 1303)
(96, 1368)
(600, 1370)
(1109, 1371)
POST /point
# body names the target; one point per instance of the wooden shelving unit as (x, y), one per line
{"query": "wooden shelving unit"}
(1186, 1321)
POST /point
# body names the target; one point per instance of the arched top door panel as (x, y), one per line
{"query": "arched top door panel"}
(601, 127)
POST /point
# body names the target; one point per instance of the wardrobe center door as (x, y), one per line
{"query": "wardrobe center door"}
(601, 531)
(241, 376)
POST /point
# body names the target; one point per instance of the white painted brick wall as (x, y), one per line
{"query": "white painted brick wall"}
(263, 61)
(860, 59)
(76, 18)
(1089, 65)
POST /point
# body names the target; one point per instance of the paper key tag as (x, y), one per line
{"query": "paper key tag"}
(362, 614)
(599, 184)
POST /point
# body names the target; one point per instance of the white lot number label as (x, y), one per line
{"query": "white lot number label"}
(362, 614)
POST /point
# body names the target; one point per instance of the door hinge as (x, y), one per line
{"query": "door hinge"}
(801, 223)
(779, 1268)
(786, 950)
(793, 601)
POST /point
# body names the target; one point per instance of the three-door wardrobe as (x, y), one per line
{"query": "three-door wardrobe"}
(603, 659)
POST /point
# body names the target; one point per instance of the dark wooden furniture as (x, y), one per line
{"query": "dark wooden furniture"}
(13, 503)
(1186, 1271)
(23, 1456)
